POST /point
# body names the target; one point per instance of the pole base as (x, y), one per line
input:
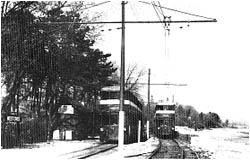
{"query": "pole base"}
(121, 131)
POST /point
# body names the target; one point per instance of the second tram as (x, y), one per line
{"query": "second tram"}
(109, 106)
(165, 120)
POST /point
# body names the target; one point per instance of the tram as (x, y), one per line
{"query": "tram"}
(109, 109)
(165, 120)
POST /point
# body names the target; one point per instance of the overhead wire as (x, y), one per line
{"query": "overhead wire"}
(95, 5)
(131, 22)
(175, 10)
(164, 24)
(153, 4)
(164, 18)
(161, 8)
(158, 10)
(157, 13)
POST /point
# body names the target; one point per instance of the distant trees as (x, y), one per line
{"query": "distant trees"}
(188, 116)
(212, 120)
(181, 118)
(226, 124)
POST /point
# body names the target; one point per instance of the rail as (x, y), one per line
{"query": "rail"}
(89, 152)
(155, 151)
(171, 148)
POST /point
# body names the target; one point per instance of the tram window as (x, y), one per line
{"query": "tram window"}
(170, 107)
(114, 95)
(114, 119)
(159, 122)
(166, 122)
(105, 119)
(158, 107)
(109, 95)
(165, 107)
(126, 95)
(104, 95)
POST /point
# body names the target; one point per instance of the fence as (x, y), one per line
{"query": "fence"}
(85, 125)
(28, 132)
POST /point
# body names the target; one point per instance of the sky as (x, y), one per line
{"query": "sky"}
(211, 58)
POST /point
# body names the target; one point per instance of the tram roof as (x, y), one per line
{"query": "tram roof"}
(165, 112)
(133, 98)
(112, 88)
(165, 103)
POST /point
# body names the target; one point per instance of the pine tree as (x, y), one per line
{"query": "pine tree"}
(45, 64)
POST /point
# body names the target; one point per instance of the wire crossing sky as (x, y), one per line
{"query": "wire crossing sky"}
(211, 58)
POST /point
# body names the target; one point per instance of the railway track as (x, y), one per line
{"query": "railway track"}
(89, 152)
(171, 149)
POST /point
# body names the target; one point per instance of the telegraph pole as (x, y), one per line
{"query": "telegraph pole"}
(122, 76)
(122, 81)
(148, 109)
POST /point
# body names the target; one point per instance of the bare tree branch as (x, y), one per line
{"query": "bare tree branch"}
(135, 83)
(3, 4)
(12, 6)
(129, 74)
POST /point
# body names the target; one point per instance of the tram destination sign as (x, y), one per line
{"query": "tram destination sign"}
(13, 119)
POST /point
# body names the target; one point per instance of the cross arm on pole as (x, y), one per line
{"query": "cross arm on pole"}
(166, 84)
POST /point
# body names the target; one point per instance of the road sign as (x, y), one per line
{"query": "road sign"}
(13, 119)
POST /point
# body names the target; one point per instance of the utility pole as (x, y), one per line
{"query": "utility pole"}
(122, 76)
(122, 81)
(18, 122)
(148, 109)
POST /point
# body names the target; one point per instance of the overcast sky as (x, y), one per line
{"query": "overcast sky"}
(211, 58)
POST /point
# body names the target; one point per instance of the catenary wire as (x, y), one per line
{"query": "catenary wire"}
(175, 10)
(157, 14)
(132, 22)
(161, 9)
(95, 5)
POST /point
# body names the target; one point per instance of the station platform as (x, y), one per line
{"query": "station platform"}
(62, 149)
(140, 150)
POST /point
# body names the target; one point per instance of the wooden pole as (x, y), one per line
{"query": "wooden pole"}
(122, 81)
(148, 108)
(139, 131)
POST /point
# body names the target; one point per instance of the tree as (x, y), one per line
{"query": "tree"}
(46, 64)
(132, 79)
(20, 46)
(8, 7)
(186, 115)
(181, 119)
(201, 120)
(212, 120)
(226, 123)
